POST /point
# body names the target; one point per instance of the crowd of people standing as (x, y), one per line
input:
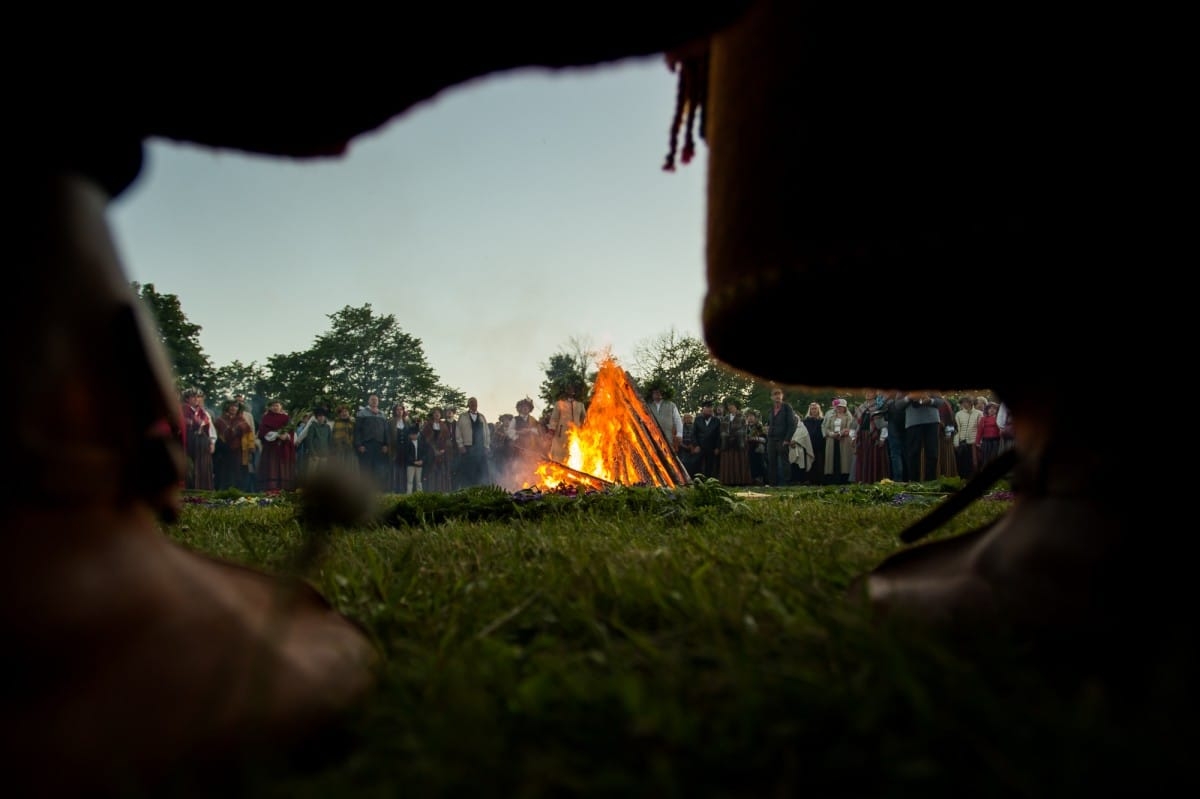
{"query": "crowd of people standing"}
(885, 436)
(401, 453)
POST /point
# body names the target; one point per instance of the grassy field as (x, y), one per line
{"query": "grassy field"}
(674, 644)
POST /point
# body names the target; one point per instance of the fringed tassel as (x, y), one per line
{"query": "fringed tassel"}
(692, 66)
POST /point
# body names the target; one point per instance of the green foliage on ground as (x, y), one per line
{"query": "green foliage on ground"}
(682, 643)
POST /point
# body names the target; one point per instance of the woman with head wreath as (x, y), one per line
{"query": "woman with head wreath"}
(525, 430)
(200, 436)
(440, 436)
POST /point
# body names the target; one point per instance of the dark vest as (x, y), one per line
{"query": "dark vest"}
(477, 436)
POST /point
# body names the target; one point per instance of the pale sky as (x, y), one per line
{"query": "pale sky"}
(496, 221)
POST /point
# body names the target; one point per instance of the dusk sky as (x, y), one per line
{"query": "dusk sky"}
(496, 221)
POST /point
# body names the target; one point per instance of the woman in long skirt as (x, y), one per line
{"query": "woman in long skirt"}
(734, 467)
(440, 436)
(871, 461)
(839, 444)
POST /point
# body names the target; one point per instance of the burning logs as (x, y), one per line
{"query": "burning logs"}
(553, 472)
(654, 451)
(618, 442)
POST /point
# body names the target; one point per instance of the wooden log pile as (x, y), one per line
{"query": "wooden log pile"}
(560, 473)
(646, 448)
(620, 440)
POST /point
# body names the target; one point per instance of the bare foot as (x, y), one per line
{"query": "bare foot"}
(129, 653)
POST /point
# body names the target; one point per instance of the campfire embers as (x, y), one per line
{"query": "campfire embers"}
(619, 442)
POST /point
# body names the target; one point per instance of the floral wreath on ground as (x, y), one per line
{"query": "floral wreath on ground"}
(256, 501)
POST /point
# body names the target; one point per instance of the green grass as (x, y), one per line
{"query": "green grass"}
(672, 644)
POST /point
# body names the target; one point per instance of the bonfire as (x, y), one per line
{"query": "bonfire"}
(618, 443)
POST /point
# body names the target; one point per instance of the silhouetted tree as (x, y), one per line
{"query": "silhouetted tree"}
(189, 364)
(561, 370)
(238, 378)
(362, 353)
(685, 364)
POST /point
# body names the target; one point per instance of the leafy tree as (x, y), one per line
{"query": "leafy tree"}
(238, 378)
(586, 355)
(363, 353)
(300, 381)
(562, 369)
(180, 337)
(685, 364)
(444, 397)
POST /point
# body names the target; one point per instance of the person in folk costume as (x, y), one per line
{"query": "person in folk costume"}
(343, 438)
(569, 413)
(414, 453)
(317, 438)
(298, 428)
(734, 464)
(502, 451)
(756, 443)
(230, 466)
(397, 431)
(689, 453)
(988, 435)
(706, 434)
(922, 434)
(838, 429)
(527, 437)
(371, 439)
(473, 436)
(966, 424)
(277, 464)
(896, 434)
(813, 420)
(872, 462)
(660, 402)
(440, 436)
(251, 446)
(780, 421)
(800, 450)
(1008, 430)
(525, 430)
(201, 440)
(454, 452)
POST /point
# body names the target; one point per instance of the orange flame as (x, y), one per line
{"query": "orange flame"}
(618, 442)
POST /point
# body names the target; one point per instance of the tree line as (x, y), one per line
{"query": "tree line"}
(365, 352)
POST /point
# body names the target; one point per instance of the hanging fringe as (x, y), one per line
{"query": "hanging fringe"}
(692, 66)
